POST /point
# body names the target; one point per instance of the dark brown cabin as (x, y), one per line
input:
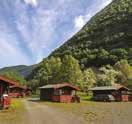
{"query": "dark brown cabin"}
(111, 93)
(59, 93)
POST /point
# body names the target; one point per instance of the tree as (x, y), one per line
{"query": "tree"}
(49, 71)
(89, 79)
(120, 53)
(54, 70)
(108, 76)
(125, 76)
(33, 84)
(71, 71)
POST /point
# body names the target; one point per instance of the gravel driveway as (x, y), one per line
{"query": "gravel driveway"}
(83, 113)
(42, 114)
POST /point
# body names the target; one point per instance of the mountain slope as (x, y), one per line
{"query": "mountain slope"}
(105, 39)
(21, 69)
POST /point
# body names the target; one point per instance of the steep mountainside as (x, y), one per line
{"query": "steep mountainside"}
(22, 69)
(105, 39)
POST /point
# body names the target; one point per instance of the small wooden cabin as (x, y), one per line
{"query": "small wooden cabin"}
(65, 93)
(28, 91)
(17, 91)
(4, 91)
(115, 93)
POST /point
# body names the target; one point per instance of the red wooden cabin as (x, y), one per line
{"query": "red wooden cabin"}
(17, 91)
(111, 93)
(5, 100)
(59, 93)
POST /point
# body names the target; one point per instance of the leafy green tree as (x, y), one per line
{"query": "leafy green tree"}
(33, 84)
(71, 71)
(89, 79)
(49, 71)
(54, 70)
(108, 76)
(103, 54)
(125, 76)
(120, 53)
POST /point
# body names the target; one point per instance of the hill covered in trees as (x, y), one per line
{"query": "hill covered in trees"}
(21, 69)
(100, 54)
(105, 39)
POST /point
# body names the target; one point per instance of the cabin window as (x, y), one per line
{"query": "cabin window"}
(56, 92)
(123, 92)
(61, 92)
(73, 93)
(66, 92)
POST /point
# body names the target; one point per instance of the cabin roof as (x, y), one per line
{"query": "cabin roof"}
(114, 87)
(9, 81)
(18, 86)
(58, 86)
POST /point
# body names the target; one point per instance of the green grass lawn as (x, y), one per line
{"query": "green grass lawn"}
(83, 96)
(14, 114)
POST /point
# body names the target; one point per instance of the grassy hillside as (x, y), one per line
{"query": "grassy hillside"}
(21, 69)
(105, 39)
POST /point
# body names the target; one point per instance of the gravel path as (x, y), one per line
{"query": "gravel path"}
(91, 112)
(42, 114)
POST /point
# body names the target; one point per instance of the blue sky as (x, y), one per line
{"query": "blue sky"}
(31, 29)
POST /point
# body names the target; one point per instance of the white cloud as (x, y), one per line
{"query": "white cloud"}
(104, 3)
(80, 21)
(31, 2)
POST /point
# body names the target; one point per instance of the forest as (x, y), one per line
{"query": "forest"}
(67, 69)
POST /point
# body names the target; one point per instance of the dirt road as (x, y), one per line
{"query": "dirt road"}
(87, 112)
(42, 114)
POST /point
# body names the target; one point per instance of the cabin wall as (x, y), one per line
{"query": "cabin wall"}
(98, 92)
(130, 97)
(56, 98)
(4, 88)
(57, 95)
(62, 98)
(119, 95)
(16, 90)
(65, 98)
(46, 94)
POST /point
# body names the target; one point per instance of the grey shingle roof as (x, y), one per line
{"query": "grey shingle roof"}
(47, 86)
(56, 86)
(104, 88)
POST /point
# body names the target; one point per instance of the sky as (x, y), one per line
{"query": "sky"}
(31, 29)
